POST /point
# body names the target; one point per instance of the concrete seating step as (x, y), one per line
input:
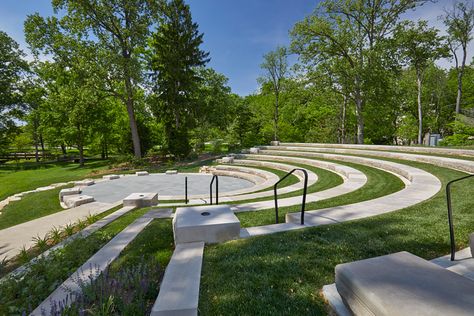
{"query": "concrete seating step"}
(179, 290)
(141, 173)
(403, 284)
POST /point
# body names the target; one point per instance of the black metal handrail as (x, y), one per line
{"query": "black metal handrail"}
(304, 192)
(215, 177)
(186, 190)
(450, 214)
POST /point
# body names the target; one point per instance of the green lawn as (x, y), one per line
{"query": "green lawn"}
(25, 180)
(31, 206)
(284, 273)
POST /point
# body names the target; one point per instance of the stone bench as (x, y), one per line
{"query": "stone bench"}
(210, 224)
(111, 177)
(141, 199)
(403, 284)
(84, 183)
(77, 200)
(141, 173)
(68, 191)
(471, 243)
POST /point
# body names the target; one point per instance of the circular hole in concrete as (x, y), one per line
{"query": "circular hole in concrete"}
(205, 213)
(141, 195)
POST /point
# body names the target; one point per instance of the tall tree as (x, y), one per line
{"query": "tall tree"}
(460, 23)
(351, 30)
(419, 46)
(121, 27)
(12, 69)
(275, 66)
(175, 56)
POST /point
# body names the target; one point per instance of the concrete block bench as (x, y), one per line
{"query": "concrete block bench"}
(471, 243)
(210, 224)
(84, 183)
(171, 172)
(141, 199)
(141, 173)
(111, 177)
(69, 191)
(403, 284)
(76, 200)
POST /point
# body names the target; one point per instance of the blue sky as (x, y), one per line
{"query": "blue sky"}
(236, 32)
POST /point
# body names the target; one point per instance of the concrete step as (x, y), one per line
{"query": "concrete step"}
(179, 290)
(268, 229)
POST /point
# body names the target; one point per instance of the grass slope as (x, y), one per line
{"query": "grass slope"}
(31, 206)
(25, 180)
(284, 273)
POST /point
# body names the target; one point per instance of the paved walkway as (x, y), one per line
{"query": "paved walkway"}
(13, 239)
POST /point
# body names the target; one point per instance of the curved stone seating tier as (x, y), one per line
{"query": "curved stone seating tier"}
(423, 185)
(451, 163)
(353, 180)
(312, 178)
(278, 166)
(398, 169)
(412, 149)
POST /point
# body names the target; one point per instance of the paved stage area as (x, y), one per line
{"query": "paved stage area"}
(163, 184)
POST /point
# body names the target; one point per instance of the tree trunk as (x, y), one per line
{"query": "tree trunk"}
(35, 136)
(81, 154)
(63, 149)
(360, 117)
(460, 74)
(275, 137)
(420, 110)
(131, 117)
(343, 120)
(42, 145)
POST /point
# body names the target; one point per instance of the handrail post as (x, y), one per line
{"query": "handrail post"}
(450, 214)
(186, 190)
(305, 190)
(215, 177)
(304, 195)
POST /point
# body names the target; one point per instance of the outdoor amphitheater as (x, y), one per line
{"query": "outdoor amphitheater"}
(272, 190)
